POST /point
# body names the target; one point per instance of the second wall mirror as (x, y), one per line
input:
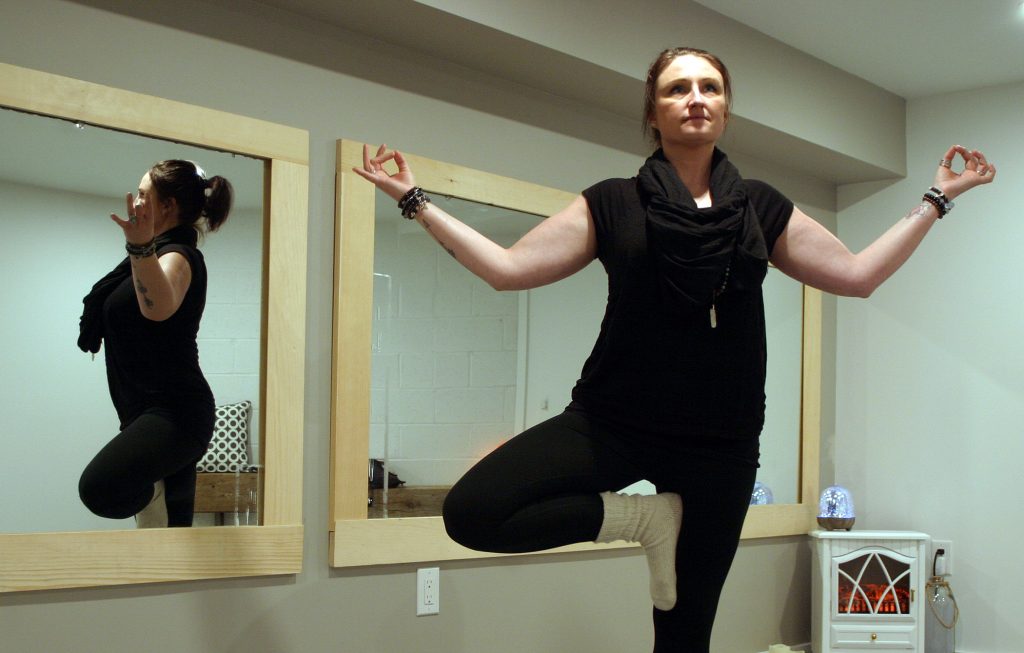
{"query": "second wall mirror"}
(433, 368)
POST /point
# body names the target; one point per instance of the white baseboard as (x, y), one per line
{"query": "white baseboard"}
(806, 647)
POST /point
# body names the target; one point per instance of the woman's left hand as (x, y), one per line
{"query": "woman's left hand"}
(138, 228)
(977, 171)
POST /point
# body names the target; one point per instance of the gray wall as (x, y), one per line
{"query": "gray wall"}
(936, 446)
(253, 60)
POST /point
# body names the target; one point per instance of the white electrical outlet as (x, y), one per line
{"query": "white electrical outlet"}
(428, 591)
(944, 563)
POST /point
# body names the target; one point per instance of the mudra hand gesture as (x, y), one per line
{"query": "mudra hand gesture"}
(977, 171)
(138, 228)
(395, 185)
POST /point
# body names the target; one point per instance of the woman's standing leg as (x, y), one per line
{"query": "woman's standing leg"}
(716, 495)
(180, 493)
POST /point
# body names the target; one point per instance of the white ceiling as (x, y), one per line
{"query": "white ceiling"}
(913, 48)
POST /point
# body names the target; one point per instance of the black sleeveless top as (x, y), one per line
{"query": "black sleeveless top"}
(156, 364)
(667, 372)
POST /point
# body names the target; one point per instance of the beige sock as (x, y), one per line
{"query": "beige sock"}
(653, 521)
(154, 515)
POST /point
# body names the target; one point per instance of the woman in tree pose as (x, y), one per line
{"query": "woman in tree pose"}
(147, 311)
(673, 391)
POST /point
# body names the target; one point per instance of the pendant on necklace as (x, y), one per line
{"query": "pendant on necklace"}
(715, 294)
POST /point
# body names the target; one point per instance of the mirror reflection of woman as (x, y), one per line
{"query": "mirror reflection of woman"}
(146, 314)
(674, 389)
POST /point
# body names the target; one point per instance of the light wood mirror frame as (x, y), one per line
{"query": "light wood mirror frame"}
(36, 561)
(356, 540)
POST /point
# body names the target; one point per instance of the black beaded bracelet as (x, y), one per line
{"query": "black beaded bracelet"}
(408, 195)
(939, 200)
(947, 204)
(934, 202)
(412, 202)
(141, 251)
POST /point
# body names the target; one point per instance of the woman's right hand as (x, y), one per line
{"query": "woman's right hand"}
(138, 228)
(395, 185)
(977, 171)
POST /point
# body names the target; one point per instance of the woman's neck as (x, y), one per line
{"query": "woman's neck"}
(164, 226)
(693, 165)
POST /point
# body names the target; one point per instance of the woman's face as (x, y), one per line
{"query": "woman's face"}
(690, 106)
(146, 200)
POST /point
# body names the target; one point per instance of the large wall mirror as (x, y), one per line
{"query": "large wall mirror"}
(433, 369)
(74, 150)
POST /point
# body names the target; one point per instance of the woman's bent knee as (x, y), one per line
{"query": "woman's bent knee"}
(95, 493)
(466, 522)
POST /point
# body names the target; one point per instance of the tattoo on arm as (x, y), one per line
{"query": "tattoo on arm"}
(426, 225)
(142, 291)
(919, 211)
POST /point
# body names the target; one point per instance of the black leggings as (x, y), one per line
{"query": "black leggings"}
(541, 490)
(118, 483)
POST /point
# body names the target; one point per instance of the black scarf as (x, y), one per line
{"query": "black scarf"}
(700, 253)
(90, 325)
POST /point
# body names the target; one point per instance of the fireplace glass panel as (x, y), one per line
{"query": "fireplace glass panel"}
(873, 584)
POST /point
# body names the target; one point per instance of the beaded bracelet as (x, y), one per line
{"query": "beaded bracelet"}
(141, 251)
(934, 202)
(413, 202)
(409, 194)
(938, 199)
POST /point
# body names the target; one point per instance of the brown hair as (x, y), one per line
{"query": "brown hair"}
(659, 65)
(197, 197)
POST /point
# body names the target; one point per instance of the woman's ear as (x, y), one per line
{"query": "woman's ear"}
(169, 207)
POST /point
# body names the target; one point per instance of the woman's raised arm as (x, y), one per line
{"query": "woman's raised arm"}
(556, 248)
(160, 282)
(812, 255)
